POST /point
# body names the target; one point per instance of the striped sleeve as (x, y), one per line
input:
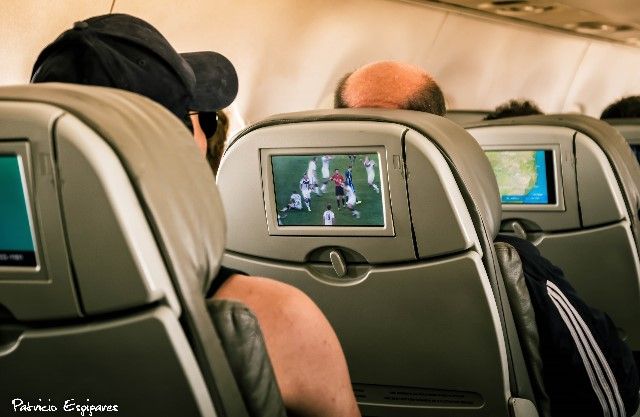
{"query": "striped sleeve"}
(600, 375)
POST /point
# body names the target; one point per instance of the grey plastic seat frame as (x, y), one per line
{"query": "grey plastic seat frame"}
(593, 234)
(628, 128)
(129, 233)
(464, 117)
(386, 381)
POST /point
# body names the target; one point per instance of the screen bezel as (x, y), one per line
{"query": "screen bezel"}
(554, 179)
(269, 196)
(19, 149)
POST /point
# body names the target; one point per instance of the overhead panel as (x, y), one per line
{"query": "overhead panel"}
(589, 19)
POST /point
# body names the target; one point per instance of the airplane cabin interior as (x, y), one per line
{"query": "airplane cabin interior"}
(453, 265)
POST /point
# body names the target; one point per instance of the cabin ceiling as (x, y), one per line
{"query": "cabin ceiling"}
(290, 54)
(611, 20)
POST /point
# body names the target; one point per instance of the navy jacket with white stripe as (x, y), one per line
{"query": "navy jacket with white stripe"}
(587, 369)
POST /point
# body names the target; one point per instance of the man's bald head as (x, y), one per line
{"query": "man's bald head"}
(390, 85)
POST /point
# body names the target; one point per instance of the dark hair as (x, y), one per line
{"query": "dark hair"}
(215, 143)
(513, 108)
(627, 107)
(328, 206)
(429, 99)
(338, 100)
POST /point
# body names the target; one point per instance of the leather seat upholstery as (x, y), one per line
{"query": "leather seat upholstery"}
(244, 345)
(525, 319)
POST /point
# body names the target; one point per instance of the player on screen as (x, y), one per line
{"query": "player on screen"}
(325, 172)
(295, 202)
(338, 179)
(328, 216)
(348, 178)
(371, 173)
(351, 201)
(311, 173)
(305, 187)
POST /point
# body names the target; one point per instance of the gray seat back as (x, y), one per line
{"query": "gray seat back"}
(591, 231)
(463, 117)
(630, 130)
(416, 299)
(126, 230)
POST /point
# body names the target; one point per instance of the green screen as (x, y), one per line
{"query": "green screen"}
(357, 174)
(16, 242)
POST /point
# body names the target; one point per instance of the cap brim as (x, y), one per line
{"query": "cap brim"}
(216, 80)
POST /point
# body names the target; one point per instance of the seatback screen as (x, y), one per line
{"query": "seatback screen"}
(524, 176)
(329, 190)
(16, 239)
(636, 151)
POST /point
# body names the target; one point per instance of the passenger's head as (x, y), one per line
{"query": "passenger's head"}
(125, 52)
(513, 108)
(390, 85)
(627, 107)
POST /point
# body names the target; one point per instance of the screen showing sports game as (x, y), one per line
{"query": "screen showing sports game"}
(16, 241)
(328, 190)
(524, 177)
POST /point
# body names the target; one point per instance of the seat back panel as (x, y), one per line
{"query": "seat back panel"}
(565, 214)
(247, 175)
(415, 311)
(601, 271)
(590, 236)
(57, 365)
(26, 128)
(116, 300)
(430, 197)
(106, 266)
(600, 196)
(397, 327)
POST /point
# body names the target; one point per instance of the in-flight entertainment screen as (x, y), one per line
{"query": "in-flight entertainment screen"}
(329, 190)
(16, 239)
(636, 151)
(524, 176)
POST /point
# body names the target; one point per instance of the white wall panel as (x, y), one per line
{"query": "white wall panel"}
(27, 26)
(607, 73)
(290, 53)
(480, 64)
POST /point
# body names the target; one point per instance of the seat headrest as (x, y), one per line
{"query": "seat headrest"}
(175, 186)
(628, 128)
(612, 143)
(467, 160)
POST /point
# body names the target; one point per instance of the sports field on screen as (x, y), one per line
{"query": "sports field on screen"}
(288, 170)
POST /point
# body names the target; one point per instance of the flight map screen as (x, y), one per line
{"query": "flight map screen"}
(16, 240)
(524, 177)
(328, 190)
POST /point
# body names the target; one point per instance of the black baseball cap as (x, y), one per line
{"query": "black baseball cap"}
(216, 80)
(123, 51)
